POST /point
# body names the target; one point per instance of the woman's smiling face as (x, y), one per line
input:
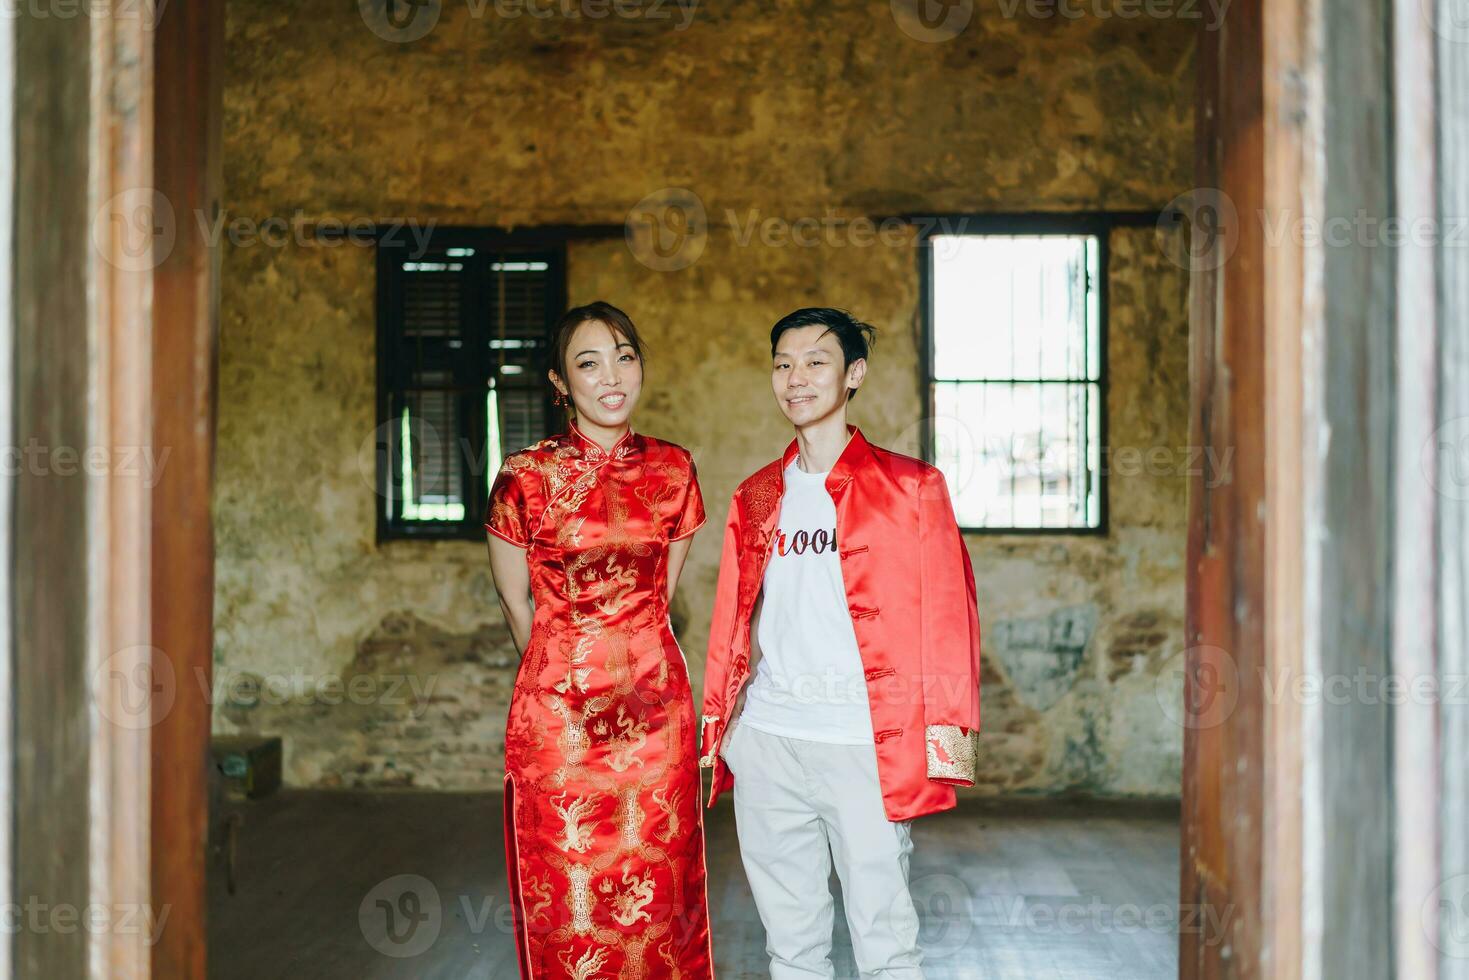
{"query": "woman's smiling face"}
(604, 375)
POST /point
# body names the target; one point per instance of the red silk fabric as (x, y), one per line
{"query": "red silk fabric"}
(603, 827)
(910, 591)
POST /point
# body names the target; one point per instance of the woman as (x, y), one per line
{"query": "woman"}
(603, 834)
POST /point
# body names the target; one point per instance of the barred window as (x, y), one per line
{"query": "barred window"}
(1016, 378)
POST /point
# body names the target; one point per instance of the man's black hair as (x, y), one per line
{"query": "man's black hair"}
(855, 336)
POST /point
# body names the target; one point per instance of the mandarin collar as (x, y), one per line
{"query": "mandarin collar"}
(853, 455)
(593, 449)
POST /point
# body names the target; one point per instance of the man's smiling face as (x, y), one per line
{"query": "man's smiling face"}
(807, 375)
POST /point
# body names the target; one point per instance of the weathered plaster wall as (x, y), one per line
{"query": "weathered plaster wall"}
(788, 110)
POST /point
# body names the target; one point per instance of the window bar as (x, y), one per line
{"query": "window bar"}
(412, 411)
(1085, 474)
(1011, 462)
(1077, 321)
(493, 422)
(1042, 282)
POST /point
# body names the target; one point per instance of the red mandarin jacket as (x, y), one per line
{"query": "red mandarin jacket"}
(910, 590)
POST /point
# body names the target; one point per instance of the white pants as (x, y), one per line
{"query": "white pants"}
(798, 805)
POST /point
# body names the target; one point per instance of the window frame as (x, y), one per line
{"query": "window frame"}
(551, 240)
(1097, 224)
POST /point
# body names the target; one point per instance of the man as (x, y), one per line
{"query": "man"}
(845, 584)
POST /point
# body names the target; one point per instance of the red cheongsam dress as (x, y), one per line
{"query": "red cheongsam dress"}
(603, 835)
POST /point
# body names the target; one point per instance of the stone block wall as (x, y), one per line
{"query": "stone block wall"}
(816, 113)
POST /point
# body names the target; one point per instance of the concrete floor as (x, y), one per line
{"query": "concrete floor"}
(1029, 891)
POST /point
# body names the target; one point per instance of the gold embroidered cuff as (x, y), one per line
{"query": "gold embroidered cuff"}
(709, 738)
(951, 753)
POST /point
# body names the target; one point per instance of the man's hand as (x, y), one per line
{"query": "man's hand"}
(734, 720)
(724, 737)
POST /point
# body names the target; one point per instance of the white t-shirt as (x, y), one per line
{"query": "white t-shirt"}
(809, 683)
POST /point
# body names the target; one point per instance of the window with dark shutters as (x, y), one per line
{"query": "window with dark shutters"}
(463, 337)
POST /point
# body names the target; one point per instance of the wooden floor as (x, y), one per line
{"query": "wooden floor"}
(1027, 891)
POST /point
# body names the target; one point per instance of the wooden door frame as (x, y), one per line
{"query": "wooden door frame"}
(80, 333)
(108, 311)
(189, 69)
(1258, 778)
(1417, 649)
(1314, 360)
(1451, 82)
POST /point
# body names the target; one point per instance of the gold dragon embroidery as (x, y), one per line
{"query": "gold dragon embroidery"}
(542, 890)
(628, 907)
(632, 735)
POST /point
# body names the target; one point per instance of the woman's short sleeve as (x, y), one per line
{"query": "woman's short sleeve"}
(691, 514)
(506, 516)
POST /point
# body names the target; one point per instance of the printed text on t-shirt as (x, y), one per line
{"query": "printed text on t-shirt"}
(803, 541)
